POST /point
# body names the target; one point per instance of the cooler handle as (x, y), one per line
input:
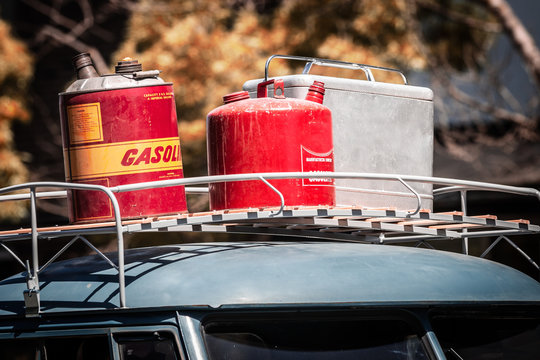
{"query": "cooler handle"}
(310, 61)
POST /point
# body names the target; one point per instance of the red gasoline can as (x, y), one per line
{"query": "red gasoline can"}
(270, 135)
(120, 129)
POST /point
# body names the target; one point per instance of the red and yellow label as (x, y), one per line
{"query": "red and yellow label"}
(84, 123)
(124, 158)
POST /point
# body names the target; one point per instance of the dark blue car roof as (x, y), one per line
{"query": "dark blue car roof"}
(267, 273)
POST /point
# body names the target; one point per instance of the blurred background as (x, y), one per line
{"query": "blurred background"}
(480, 57)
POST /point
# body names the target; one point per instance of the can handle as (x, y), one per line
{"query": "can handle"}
(279, 88)
(310, 61)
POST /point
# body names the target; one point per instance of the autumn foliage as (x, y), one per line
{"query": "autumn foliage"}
(15, 72)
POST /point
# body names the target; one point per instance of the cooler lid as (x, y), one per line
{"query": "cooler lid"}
(349, 85)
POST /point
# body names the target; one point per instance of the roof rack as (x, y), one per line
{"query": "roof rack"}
(341, 223)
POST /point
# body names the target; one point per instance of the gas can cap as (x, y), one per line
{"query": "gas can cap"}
(84, 66)
(127, 66)
(237, 96)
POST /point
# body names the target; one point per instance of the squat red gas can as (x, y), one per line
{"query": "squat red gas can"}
(270, 135)
(120, 129)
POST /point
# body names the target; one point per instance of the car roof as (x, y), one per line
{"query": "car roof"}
(234, 275)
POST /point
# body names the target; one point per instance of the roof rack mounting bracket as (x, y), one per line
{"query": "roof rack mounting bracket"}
(31, 302)
(31, 295)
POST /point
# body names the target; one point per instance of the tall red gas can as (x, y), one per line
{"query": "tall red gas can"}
(270, 135)
(120, 129)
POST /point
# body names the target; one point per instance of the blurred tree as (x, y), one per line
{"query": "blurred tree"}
(16, 68)
(489, 126)
(519, 35)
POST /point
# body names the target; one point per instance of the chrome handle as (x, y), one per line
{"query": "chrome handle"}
(310, 61)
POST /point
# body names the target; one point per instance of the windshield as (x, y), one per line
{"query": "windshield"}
(488, 338)
(323, 339)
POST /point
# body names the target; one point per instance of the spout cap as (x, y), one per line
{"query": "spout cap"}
(237, 96)
(84, 66)
(316, 92)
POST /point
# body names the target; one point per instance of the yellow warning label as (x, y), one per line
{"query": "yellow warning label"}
(124, 158)
(84, 123)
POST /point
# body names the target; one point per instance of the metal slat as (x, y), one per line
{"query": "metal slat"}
(434, 224)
